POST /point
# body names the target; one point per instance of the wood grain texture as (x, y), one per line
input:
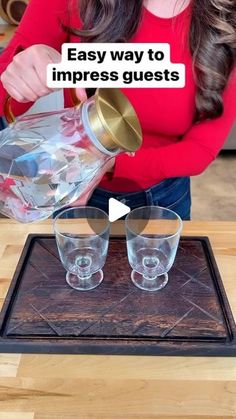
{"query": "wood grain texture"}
(9, 365)
(120, 416)
(68, 387)
(17, 415)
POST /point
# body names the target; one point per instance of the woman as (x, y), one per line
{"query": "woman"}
(184, 129)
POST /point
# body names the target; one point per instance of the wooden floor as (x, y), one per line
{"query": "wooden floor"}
(214, 192)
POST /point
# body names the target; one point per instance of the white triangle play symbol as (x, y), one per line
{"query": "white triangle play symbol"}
(117, 210)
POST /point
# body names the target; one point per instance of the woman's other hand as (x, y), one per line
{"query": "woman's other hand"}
(25, 78)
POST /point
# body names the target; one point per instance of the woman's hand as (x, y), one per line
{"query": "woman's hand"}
(81, 94)
(25, 78)
(108, 167)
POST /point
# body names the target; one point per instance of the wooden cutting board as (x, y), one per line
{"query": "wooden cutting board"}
(190, 316)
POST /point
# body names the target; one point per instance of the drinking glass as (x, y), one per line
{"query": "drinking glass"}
(152, 237)
(82, 236)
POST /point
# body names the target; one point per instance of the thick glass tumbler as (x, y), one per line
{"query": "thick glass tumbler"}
(82, 236)
(152, 235)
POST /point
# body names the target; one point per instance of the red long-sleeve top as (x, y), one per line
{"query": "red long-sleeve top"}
(173, 145)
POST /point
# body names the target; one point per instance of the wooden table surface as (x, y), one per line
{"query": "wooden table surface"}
(88, 386)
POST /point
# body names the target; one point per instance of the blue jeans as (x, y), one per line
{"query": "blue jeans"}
(171, 193)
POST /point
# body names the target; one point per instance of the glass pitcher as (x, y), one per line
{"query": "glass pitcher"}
(47, 160)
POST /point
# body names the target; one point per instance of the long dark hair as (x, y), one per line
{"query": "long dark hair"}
(212, 40)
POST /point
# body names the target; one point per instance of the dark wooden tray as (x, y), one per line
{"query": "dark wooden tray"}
(190, 316)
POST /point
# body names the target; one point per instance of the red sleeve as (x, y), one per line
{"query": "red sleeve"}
(41, 24)
(191, 155)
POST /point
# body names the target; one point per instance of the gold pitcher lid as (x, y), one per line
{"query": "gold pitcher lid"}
(114, 121)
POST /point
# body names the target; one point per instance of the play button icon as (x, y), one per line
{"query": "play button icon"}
(117, 210)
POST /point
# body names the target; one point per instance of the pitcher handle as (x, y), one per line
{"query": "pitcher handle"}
(10, 117)
(8, 113)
